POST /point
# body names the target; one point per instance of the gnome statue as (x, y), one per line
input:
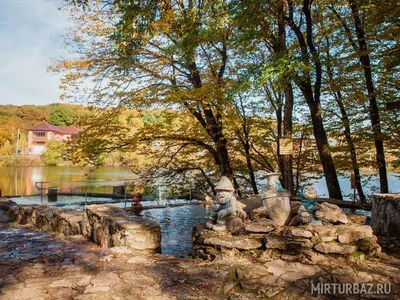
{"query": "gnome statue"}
(309, 206)
(224, 205)
(276, 200)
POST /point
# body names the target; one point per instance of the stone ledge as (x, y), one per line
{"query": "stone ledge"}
(105, 225)
(288, 242)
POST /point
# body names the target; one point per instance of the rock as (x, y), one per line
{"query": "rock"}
(356, 219)
(297, 232)
(295, 245)
(229, 286)
(294, 207)
(97, 289)
(292, 271)
(83, 280)
(261, 226)
(324, 233)
(369, 245)
(351, 233)
(258, 213)
(138, 260)
(356, 257)
(233, 224)
(121, 288)
(335, 248)
(121, 250)
(108, 279)
(63, 283)
(108, 226)
(44, 217)
(68, 221)
(8, 205)
(238, 242)
(24, 214)
(330, 213)
(141, 234)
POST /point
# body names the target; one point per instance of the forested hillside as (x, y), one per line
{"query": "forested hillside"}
(23, 117)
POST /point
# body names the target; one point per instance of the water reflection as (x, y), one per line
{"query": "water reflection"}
(21, 180)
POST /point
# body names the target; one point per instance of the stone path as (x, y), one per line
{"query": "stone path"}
(43, 265)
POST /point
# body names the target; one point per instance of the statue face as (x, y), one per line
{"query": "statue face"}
(224, 197)
(309, 192)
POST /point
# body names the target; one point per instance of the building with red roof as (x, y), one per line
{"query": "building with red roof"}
(40, 134)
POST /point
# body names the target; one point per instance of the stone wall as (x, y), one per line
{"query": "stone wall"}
(264, 240)
(386, 215)
(105, 225)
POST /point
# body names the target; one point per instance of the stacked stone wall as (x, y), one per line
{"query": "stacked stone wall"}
(264, 240)
(105, 225)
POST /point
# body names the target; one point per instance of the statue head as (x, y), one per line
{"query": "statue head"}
(224, 190)
(308, 192)
(224, 185)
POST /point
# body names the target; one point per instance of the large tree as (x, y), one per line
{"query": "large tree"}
(172, 53)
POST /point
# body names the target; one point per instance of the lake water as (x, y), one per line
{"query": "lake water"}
(21, 180)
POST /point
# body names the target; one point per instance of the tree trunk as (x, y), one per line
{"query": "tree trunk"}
(287, 162)
(347, 130)
(324, 151)
(312, 93)
(373, 107)
(352, 149)
(246, 146)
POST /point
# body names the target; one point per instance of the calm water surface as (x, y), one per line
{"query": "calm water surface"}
(21, 180)
(176, 226)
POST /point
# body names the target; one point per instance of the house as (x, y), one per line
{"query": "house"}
(39, 135)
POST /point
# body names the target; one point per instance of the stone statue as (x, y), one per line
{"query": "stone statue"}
(308, 205)
(224, 205)
(276, 200)
(311, 212)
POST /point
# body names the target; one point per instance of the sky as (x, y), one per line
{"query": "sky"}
(30, 35)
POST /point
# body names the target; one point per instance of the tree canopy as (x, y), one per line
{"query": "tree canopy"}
(231, 78)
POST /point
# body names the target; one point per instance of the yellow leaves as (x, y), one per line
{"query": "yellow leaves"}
(165, 23)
